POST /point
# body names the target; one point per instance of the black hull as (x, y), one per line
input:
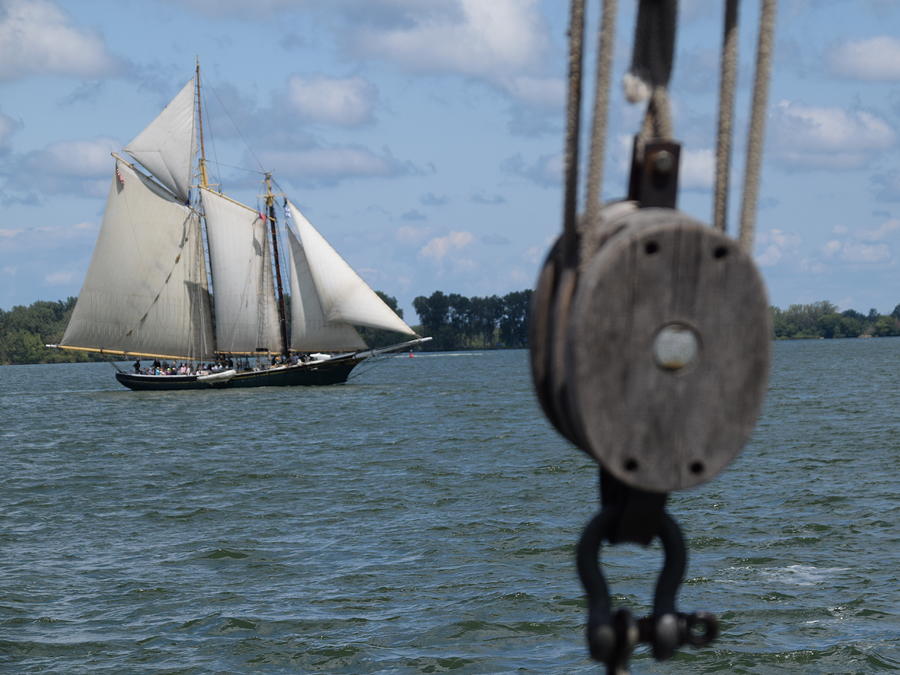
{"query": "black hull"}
(334, 371)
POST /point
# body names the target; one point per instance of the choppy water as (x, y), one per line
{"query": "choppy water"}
(422, 519)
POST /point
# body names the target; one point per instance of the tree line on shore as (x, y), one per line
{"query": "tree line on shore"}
(822, 320)
(454, 321)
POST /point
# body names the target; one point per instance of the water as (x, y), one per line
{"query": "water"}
(422, 519)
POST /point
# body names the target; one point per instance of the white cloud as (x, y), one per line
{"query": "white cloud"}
(439, 247)
(60, 278)
(836, 138)
(874, 59)
(856, 252)
(697, 169)
(503, 42)
(864, 246)
(81, 167)
(80, 159)
(481, 38)
(773, 245)
(38, 38)
(882, 232)
(410, 235)
(340, 101)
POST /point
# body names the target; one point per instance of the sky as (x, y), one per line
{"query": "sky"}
(424, 138)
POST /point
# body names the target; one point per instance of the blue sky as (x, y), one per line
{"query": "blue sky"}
(424, 138)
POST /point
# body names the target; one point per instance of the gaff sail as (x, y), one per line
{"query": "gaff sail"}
(243, 283)
(145, 291)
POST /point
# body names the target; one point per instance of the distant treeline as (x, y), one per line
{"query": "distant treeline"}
(822, 320)
(25, 330)
(457, 322)
(452, 320)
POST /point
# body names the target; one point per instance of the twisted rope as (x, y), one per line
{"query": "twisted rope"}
(727, 88)
(573, 124)
(757, 123)
(606, 41)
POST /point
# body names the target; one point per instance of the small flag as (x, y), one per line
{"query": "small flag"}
(262, 216)
(119, 176)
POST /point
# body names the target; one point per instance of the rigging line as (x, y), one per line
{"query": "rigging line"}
(727, 89)
(238, 130)
(573, 122)
(366, 366)
(606, 38)
(240, 168)
(215, 147)
(757, 123)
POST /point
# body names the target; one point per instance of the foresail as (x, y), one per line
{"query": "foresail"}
(145, 290)
(243, 283)
(310, 330)
(167, 146)
(344, 296)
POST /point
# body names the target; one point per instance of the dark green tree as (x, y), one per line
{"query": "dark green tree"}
(514, 322)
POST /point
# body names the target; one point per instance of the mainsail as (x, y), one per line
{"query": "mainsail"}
(343, 296)
(243, 288)
(166, 148)
(145, 290)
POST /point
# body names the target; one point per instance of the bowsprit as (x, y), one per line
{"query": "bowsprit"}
(650, 330)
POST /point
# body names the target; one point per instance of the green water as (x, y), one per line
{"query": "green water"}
(422, 519)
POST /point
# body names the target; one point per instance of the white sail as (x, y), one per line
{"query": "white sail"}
(343, 295)
(243, 284)
(145, 290)
(167, 146)
(310, 330)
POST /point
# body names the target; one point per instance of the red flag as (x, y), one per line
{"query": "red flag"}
(119, 176)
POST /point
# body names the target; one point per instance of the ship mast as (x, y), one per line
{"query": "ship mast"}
(204, 179)
(270, 209)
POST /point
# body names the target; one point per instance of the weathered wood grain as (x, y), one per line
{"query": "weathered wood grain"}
(655, 427)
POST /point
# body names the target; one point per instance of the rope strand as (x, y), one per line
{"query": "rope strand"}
(606, 41)
(727, 88)
(757, 123)
(573, 124)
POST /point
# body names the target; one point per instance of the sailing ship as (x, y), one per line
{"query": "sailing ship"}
(184, 273)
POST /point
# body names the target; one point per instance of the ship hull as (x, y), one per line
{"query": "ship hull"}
(333, 371)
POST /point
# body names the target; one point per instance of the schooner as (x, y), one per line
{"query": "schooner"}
(195, 277)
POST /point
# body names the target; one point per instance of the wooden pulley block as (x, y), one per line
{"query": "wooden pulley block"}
(668, 350)
(549, 318)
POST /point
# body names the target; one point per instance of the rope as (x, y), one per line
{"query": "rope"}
(651, 66)
(727, 87)
(757, 123)
(606, 42)
(573, 123)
